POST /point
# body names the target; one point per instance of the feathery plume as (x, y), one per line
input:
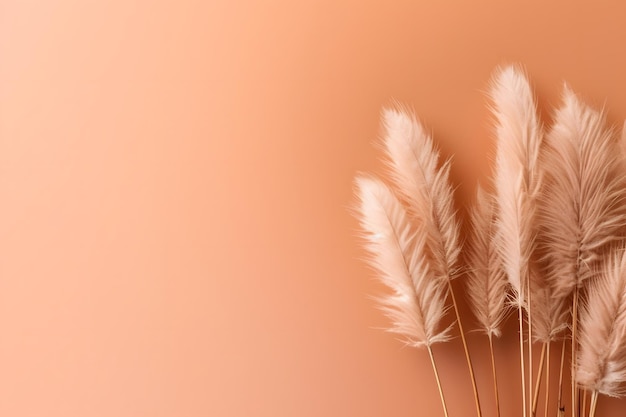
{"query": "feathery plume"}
(486, 284)
(413, 163)
(602, 356)
(517, 183)
(417, 303)
(517, 176)
(582, 211)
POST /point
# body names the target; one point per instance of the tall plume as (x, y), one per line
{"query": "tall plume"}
(398, 251)
(517, 183)
(486, 284)
(583, 209)
(517, 176)
(413, 162)
(602, 354)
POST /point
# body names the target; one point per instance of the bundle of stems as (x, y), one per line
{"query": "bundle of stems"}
(545, 239)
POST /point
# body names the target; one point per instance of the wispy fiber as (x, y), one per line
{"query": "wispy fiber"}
(486, 283)
(517, 176)
(398, 251)
(415, 171)
(414, 168)
(583, 209)
(601, 364)
(517, 183)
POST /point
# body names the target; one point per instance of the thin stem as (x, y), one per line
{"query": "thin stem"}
(539, 378)
(584, 409)
(495, 378)
(521, 357)
(575, 409)
(530, 347)
(561, 410)
(467, 355)
(547, 379)
(594, 403)
(443, 400)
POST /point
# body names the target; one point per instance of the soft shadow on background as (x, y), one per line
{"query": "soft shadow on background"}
(175, 184)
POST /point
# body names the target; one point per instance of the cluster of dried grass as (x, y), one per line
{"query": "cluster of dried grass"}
(547, 241)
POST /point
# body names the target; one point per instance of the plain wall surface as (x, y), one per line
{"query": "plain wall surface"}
(175, 185)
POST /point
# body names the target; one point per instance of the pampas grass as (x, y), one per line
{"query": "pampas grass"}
(582, 212)
(545, 239)
(486, 280)
(601, 364)
(517, 181)
(398, 251)
(413, 163)
(417, 303)
(517, 176)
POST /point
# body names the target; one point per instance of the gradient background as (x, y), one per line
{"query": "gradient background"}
(175, 184)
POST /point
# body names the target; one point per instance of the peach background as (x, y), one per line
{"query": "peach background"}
(175, 178)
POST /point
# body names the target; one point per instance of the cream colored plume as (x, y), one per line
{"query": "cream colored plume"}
(424, 185)
(517, 176)
(602, 353)
(486, 284)
(550, 313)
(583, 210)
(398, 252)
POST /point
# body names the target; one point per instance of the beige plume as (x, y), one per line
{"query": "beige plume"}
(398, 252)
(486, 284)
(517, 176)
(583, 209)
(414, 167)
(601, 364)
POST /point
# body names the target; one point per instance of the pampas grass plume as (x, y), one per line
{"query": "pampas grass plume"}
(582, 211)
(398, 252)
(602, 356)
(517, 176)
(486, 283)
(413, 163)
